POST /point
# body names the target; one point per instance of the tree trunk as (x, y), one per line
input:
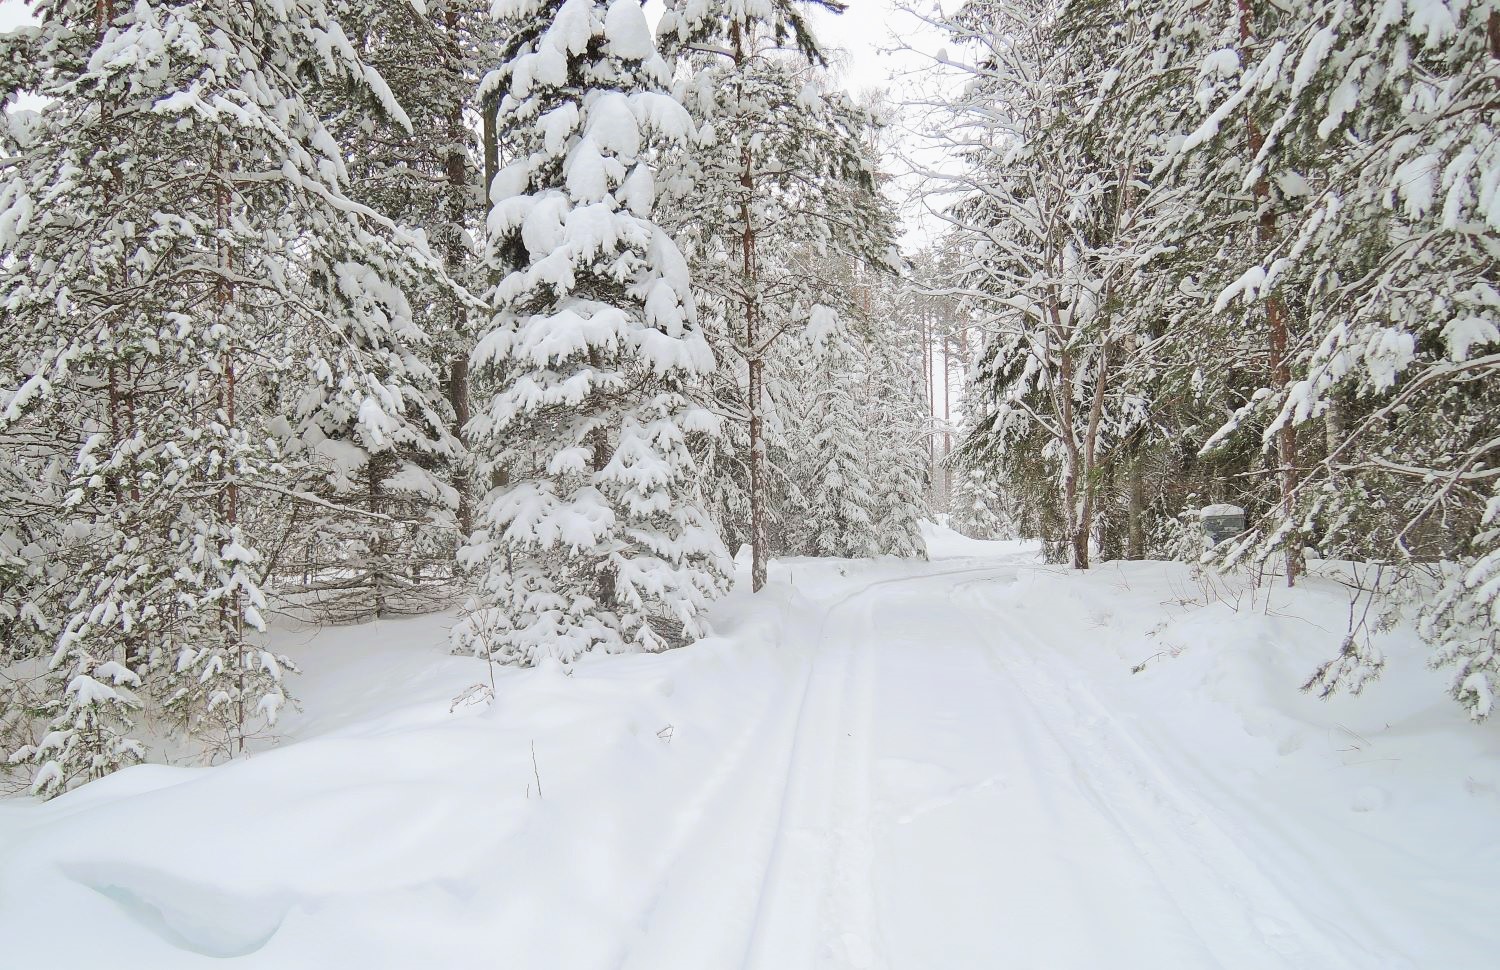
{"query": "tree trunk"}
(1286, 438)
(375, 473)
(458, 397)
(1074, 530)
(233, 619)
(1136, 536)
(755, 355)
(490, 139)
(603, 453)
(947, 503)
(928, 377)
(489, 135)
(759, 532)
(1276, 327)
(454, 256)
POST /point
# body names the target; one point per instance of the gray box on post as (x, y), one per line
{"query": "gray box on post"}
(1222, 522)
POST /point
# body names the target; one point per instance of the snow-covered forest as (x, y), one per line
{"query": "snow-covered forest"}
(593, 483)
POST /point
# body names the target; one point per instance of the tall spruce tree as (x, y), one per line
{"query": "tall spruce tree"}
(397, 553)
(593, 535)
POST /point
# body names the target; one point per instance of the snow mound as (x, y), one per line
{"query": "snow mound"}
(945, 543)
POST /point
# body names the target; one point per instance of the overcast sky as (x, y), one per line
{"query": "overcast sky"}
(864, 31)
(12, 12)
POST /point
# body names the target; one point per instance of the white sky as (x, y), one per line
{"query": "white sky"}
(13, 13)
(862, 31)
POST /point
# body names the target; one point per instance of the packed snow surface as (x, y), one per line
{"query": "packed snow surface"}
(917, 766)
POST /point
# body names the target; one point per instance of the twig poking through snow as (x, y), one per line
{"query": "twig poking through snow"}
(1142, 665)
(535, 772)
(472, 696)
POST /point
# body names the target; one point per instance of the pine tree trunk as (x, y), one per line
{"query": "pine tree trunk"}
(229, 499)
(490, 138)
(1276, 328)
(489, 135)
(759, 532)
(104, 15)
(928, 379)
(1286, 438)
(453, 257)
(458, 398)
(603, 448)
(1136, 536)
(759, 513)
(375, 471)
(947, 504)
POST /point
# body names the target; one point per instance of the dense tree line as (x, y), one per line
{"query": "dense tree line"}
(1239, 252)
(346, 310)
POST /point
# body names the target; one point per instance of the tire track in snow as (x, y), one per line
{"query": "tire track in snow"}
(703, 899)
(1298, 852)
(1128, 789)
(697, 891)
(986, 858)
(787, 865)
(816, 904)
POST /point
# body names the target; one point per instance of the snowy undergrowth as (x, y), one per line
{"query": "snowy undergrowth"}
(627, 812)
(1389, 796)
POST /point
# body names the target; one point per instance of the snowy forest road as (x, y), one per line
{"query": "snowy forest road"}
(878, 765)
(954, 796)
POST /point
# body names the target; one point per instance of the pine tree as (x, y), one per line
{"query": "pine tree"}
(397, 555)
(181, 207)
(594, 536)
(894, 454)
(775, 201)
(830, 441)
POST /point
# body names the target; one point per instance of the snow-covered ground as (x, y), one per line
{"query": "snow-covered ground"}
(917, 766)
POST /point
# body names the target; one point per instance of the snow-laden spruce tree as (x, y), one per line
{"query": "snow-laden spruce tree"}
(828, 442)
(896, 415)
(774, 202)
(593, 535)
(187, 287)
(854, 420)
(979, 506)
(372, 437)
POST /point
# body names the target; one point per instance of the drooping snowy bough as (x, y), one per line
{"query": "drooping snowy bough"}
(594, 535)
